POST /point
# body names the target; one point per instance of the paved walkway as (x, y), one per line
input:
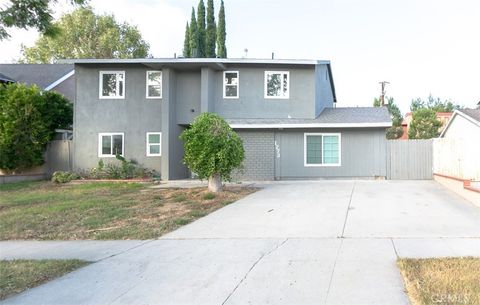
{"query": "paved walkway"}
(325, 242)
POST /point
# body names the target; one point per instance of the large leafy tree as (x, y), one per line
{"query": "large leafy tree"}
(86, 35)
(28, 119)
(396, 131)
(424, 125)
(27, 14)
(201, 29)
(221, 33)
(212, 149)
(211, 34)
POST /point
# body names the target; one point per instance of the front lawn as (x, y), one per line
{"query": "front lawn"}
(19, 275)
(106, 210)
(442, 281)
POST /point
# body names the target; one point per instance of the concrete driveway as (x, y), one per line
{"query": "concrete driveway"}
(321, 242)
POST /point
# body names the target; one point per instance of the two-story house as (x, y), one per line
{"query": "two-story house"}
(283, 109)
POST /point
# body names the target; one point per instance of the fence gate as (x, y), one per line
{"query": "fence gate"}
(58, 156)
(409, 159)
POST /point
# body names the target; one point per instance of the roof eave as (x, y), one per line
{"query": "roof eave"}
(196, 61)
(311, 125)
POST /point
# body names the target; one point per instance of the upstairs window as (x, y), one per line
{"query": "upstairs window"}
(322, 149)
(154, 144)
(230, 84)
(110, 144)
(277, 84)
(112, 84)
(154, 84)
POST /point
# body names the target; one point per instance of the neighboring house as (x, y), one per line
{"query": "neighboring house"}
(464, 123)
(443, 117)
(283, 109)
(456, 154)
(58, 77)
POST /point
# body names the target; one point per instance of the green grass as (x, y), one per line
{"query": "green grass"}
(209, 196)
(19, 275)
(101, 210)
(442, 281)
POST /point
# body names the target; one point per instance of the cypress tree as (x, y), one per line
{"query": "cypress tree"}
(211, 34)
(201, 28)
(186, 43)
(193, 35)
(221, 33)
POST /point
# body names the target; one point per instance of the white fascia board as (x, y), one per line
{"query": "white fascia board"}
(311, 125)
(60, 80)
(197, 61)
(460, 113)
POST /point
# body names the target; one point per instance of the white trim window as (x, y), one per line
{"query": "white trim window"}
(322, 149)
(110, 144)
(112, 85)
(231, 84)
(277, 84)
(154, 144)
(154, 84)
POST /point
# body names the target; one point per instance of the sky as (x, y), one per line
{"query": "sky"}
(421, 47)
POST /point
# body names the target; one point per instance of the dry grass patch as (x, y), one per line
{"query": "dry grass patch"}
(19, 275)
(444, 281)
(107, 210)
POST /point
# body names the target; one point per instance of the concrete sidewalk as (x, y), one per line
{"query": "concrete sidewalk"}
(88, 250)
(241, 271)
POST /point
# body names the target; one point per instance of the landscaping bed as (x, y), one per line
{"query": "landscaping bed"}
(103, 210)
(444, 281)
(19, 275)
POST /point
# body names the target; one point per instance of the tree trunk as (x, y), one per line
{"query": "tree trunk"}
(215, 183)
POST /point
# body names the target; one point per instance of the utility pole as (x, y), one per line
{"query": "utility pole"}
(382, 95)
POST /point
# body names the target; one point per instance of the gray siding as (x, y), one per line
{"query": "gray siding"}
(259, 156)
(252, 103)
(363, 154)
(135, 116)
(324, 93)
(187, 96)
(172, 147)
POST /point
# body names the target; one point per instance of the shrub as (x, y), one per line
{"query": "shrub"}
(64, 177)
(28, 119)
(122, 169)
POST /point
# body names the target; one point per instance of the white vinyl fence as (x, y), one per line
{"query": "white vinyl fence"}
(457, 157)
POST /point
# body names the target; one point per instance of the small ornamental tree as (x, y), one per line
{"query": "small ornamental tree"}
(212, 149)
(28, 119)
(424, 125)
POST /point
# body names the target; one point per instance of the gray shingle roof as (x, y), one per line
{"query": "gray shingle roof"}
(473, 113)
(4, 78)
(330, 117)
(40, 74)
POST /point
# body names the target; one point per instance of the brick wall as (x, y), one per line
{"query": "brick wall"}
(259, 163)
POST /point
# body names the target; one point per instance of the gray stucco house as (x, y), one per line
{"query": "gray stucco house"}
(283, 109)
